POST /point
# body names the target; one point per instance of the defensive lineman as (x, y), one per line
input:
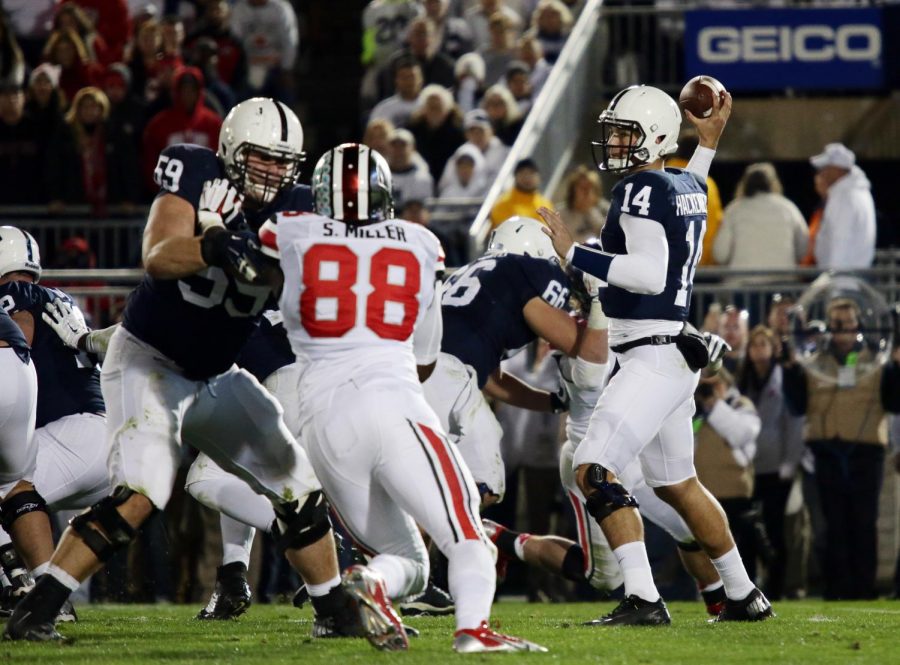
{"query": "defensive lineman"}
(651, 244)
(361, 307)
(169, 372)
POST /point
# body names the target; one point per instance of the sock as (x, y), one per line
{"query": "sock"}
(519, 545)
(714, 593)
(506, 542)
(333, 603)
(318, 590)
(402, 576)
(472, 580)
(46, 599)
(39, 570)
(635, 565)
(237, 539)
(62, 577)
(233, 569)
(734, 576)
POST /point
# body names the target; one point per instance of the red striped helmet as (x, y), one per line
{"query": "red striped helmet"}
(352, 183)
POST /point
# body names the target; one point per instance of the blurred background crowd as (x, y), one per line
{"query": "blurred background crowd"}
(92, 90)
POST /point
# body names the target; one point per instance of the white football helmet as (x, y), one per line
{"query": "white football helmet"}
(352, 183)
(264, 126)
(521, 235)
(645, 122)
(19, 251)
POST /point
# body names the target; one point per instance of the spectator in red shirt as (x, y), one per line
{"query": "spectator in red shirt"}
(186, 121)
(65, 48)
(113, 23)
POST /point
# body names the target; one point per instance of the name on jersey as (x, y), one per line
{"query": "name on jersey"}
(388, 231)
(690, 204)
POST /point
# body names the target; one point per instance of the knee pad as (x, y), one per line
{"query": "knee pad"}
(689, 546)
(103, 514)
(295, 528)
(20, 505)
(573, 564)
(606, 497)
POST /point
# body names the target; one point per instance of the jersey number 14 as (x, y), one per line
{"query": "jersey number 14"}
(329, 275)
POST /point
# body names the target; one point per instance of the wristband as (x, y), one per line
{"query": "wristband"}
(597, 318)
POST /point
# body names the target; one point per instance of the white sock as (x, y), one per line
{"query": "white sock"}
(519, 545)
(472, 579)
(317, 590)
(635, 565)
(734, 575)
(63, 577)
(39, 570)
(402, 576)
(712, 587)
(237, 539)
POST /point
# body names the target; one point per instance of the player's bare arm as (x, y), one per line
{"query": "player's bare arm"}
(511, 390)
(564, 333)
(170, 248)
(26, 322)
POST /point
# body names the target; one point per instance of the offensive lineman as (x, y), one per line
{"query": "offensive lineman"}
(651, 245)
(169, 372)
(361, 307)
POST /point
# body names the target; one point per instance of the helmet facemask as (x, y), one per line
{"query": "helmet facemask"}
(260, 185)
(626, 152)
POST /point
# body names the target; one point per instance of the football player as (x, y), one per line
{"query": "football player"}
(169, 373)
(651, 244)
(70, 466)
(492, 308)
(361, 306)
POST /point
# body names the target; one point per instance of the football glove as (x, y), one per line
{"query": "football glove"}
(66, 321)
(716, 346)
(219, 204)
(237, 253)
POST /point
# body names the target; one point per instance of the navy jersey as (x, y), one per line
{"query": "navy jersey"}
(10, 332)
(483, 304)
(268, 349)
(202, 321)
(676, 199)
(68, 381)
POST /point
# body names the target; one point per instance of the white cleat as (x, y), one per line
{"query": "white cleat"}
(485, 640)
(381, 624)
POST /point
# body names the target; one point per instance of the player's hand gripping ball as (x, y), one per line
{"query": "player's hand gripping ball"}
(697, 95)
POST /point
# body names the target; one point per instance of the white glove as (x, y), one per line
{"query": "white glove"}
(219, 204)
(67, 322)
(716, 346)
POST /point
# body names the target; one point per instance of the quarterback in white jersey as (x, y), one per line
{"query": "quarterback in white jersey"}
(361, 306)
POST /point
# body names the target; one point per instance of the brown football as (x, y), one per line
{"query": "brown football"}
(697, 95)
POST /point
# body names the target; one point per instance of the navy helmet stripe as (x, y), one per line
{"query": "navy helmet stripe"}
(28, 247)
(283, 118)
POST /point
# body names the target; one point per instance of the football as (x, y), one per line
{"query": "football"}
(697, 95)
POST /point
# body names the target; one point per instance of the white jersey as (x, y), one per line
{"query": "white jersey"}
(355, 295)
(582, 400)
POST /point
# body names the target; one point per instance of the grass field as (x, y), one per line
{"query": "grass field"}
(804, 632)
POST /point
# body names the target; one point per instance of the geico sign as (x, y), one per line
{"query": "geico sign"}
(782, 43)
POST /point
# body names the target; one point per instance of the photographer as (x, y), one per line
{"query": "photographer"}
(845, 405)
(725, 429)
(764, 377)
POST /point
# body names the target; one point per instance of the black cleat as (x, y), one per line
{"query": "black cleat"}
(16, 591)
(431, 602)
(67, 613)
(20, 628)
(231, 597)
(755, 607)
(635, 611)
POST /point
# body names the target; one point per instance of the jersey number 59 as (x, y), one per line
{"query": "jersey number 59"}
(328, 305)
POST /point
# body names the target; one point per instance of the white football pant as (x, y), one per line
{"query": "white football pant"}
(18, 407)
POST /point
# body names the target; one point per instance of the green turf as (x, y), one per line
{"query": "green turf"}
(804, 632)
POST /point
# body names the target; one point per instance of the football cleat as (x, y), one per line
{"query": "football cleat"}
(20, 628)
(67, 613)
(231, 596)
(10, 595)
(431, 602)
(485, 640)
(381, 624)
(493, 531)
(635, 611)
(755, 607)
(714, 600)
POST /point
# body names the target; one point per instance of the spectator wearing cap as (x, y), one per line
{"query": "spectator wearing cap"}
(478, 17)
(469, 87)
(480, 135)
(44, 102)
(524, 198)
(411, 179)
(500, 50)
(66, 49)
(551, 24)
(268, 30)
(518, 80)
(846, 237)
(422, 46)
(453, 34)
(408, 84)
(530, 51)
(464, 175)
(503, 112)
(231, 58)
(437, 125)
(23, 171)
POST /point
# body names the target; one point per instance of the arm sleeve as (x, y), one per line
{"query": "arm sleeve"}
(427, 337)
(700, 162)
(739, 425)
